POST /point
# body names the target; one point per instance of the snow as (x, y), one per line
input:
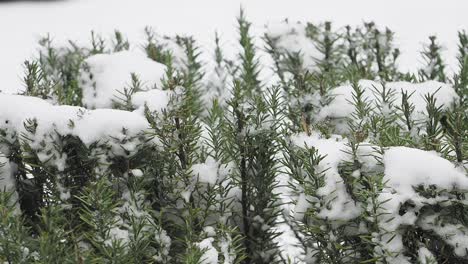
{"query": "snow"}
(106, 75)
(101, 123)
(156, 100)
(425, 256)
(137, 173)
(164, 241)
(226, 250)
(114, 127)
(302, 205)
(206, 172)
(291, 38)
(341, 106)
(74, 19)
(117, 234)
(453, 234)
(289, 244)
(7, 181)
(14, 110)
(217, 80)
(210, 254)
(133, 204)
(179, 58)
(334, 191)
(186, 195)
(406, 169)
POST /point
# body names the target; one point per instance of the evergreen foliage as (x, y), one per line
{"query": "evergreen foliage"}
(219, 175)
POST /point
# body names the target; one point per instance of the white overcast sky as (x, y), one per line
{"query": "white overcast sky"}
(22, 23)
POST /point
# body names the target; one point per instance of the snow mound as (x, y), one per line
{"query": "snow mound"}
(210, 254)
(156, 100)
(291, 38)
(341, 206)
(341, 105)
(405, 170)
(414, 183)
(206, 172)
(106, 75)
(41, 125)
(408, 168)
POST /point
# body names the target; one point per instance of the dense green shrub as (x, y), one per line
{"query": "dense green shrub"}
(212, 163)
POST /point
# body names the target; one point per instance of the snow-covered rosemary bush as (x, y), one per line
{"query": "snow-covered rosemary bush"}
(152, 153)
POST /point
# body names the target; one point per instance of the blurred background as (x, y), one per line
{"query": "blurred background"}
(22, 23)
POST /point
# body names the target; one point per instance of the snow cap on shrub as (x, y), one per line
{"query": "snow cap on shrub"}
(105, 75)
(41, 124)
